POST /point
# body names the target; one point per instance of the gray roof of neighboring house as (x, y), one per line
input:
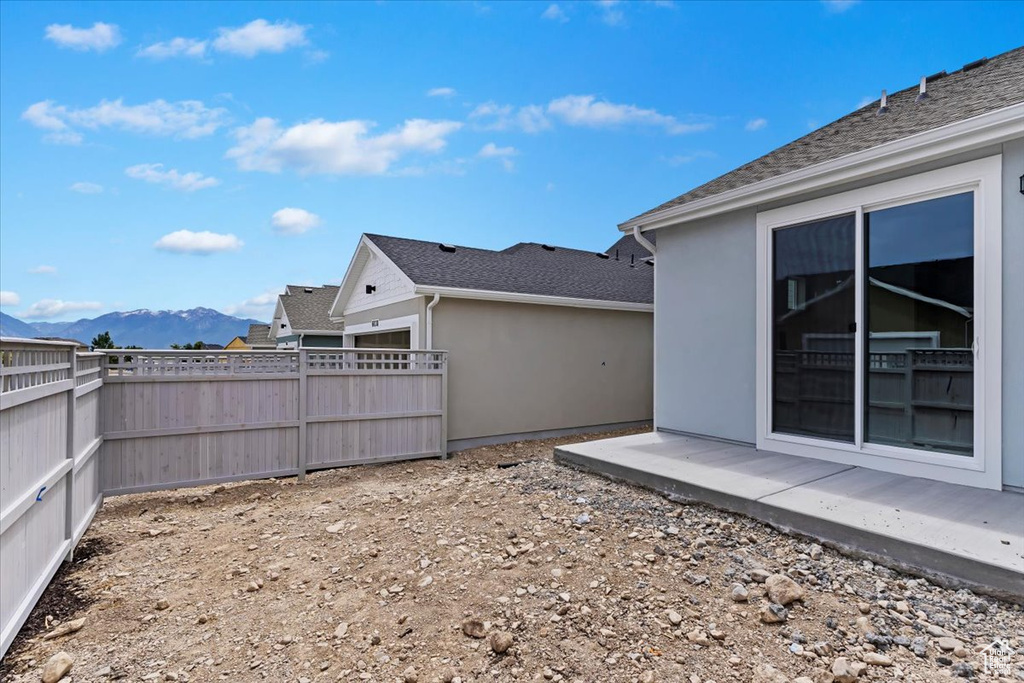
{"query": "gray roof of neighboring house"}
(259, 335)
(308, 308)
(524, 268)
(963, 94)
(627, 247)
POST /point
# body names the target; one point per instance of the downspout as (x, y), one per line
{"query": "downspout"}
(644, 242)
(430, 321)
(649, 246)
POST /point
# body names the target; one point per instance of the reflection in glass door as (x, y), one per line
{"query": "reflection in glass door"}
(919, 312)
(813, 328)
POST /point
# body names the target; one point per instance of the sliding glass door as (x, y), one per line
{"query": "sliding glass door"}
(872, 326)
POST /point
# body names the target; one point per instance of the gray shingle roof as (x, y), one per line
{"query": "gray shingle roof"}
(958, 96)
(308, 308)
(259, 336)
(524, 268)
(627, 247)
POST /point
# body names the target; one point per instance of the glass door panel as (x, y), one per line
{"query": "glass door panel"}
(813, 329)
(919, 313)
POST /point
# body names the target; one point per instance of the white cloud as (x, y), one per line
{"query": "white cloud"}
(756, 124)
(205, 242)
(51, 308)
(8, 298)
(261, 305)
(555, 13)
(680, 159)
(334, 147)
(839, 6)
(494, 116)
(176, 47)
(260, 36)
(587, 110)
(441, 92)
(86, 188)
(610, 14)
(292, 221)
(43, 270)
(100, 37)
(492, 151)
(187, 182)
(183, 119)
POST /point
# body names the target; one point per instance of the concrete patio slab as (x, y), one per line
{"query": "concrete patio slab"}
(954, 535)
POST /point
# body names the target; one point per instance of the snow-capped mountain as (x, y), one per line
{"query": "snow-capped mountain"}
(142, 327)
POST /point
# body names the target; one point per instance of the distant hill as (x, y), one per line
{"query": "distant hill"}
(149, 329)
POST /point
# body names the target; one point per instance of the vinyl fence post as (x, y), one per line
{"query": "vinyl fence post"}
(69, 478)
(303, 368)
(444, 406)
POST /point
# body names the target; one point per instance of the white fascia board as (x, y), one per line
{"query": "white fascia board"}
(326, 333)
(541, 299)
(963, 136)
(278, 315)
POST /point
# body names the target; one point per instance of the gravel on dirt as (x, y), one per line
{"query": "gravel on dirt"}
(495, 565)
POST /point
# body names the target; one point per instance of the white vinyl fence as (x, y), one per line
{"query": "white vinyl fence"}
(77, 426)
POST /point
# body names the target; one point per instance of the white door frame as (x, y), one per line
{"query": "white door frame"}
(984, 468)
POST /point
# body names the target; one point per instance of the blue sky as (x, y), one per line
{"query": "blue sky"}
(171, 156)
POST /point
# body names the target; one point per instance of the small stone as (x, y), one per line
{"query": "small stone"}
(342, 630)
(583, 519)
(67, 628)
(864, 607)
(877, 659)
(162, 604)
(739, 593)
(963, 670)
(782, 589)
(501, 641)
(675, 617)
(409, 675)
(252, 587)
(845, 671)
(759, 575)
(815, 551)
(425, 581)
(474, 628)
(774, 613)
(335, 528)
(948, 644)
(57, 667)
(766, 673)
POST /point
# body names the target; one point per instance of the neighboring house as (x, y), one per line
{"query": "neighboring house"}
(541, 339)
(82, 347)
(239, 344)
(259, 337)
(857, 295)
(302, 318)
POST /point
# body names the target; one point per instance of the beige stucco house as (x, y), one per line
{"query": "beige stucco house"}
(541, 340)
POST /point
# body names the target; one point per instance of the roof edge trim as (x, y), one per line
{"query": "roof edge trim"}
(542, 299)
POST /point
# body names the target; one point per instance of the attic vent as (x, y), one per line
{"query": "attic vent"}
(307, 290)
(935, 77)
(602, 255)
(976, 64)
(884, 104)
(923, 92)
(547, 247)
(447, 248)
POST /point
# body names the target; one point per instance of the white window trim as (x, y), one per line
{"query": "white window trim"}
(984, 468)
(405, 322)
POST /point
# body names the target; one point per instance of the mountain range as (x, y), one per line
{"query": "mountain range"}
(145, 328)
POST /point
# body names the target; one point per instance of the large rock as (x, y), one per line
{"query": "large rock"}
(782, 589)
(774, 613)
(57, 667)
(501, 641)
(474, 628)
(845, 671)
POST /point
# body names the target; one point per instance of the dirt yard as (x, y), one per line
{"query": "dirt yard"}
(425, 571)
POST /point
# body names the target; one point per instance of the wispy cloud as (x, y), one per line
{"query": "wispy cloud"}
(756, 124)
(155, 173)
(587, 110)
(504, 154)
(839, 6)
(441, 92)
(51, 308)
(555, 13)
(9, 298)
(680, 159)
(100, 38)
(259, 306)
(611, 13)
(83, 187)
(186, 119)
(202, 243)
(494, 116)
(260, 36)
(43, 270)
(176, 47)
(334, 147)
(293, 221)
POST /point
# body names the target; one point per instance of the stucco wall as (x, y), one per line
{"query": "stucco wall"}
(517, 368)
(704, 288)
(1013, 315)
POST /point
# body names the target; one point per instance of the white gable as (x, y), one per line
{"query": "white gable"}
(390, 283)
